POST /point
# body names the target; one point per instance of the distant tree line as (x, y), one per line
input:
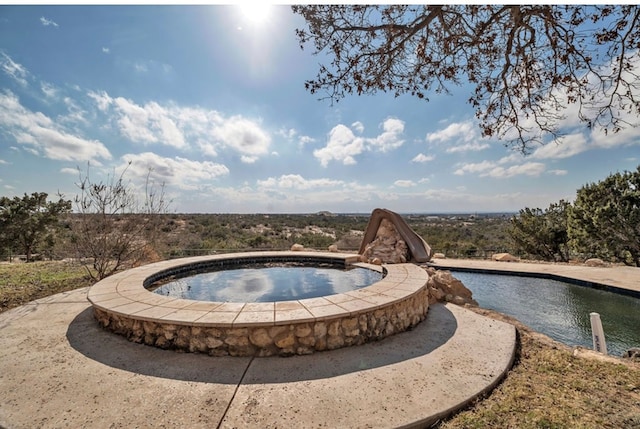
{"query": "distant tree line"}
(112, 229)
(602, 222)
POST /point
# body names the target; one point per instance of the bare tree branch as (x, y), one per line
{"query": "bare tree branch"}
(528, 63)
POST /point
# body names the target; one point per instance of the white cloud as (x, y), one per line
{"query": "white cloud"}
(291, 134)
(459, 137)
(491, 169)
(304, 140)
(358, 127)
(404, 183)
(135, 122)
(513, 158)
(468, 147)
(140, 67)
(244, 136)
(207, 148)
(14, 70)
(532, 169)
(150, 123)
(421, 157)
(102, 100)
(150, 67)
(297, 182)
(47, 22)
(48, 90)
(565, 147)
(392, 130)
(106, 50)
(68, 170)
(558, 172)
(474, 168)
(343, 145)
(287, 133)
(459, 131)
(175, 172)
(2, 161)
(175, 126)
(75, 115)
(628, 136)
(41, 135)
(269, 196)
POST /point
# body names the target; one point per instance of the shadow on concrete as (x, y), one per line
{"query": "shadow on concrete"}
(86, 337)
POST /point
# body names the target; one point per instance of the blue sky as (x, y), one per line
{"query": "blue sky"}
(212, 100)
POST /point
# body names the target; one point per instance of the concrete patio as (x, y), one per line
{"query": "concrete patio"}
(59, 369)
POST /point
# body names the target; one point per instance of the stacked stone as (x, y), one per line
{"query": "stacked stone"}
(286, 340)
(388, 246)
(443, 286)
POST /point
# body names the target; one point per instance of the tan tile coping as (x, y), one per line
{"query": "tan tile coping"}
(124, 294)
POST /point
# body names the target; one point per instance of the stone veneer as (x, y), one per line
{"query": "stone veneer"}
(396, 303)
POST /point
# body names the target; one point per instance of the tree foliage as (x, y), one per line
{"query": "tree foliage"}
(605, 218)
(116, 229)
(527, 63)
(26, 222)
(543, 233)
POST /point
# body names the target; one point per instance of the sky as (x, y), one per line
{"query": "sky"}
(209, 100)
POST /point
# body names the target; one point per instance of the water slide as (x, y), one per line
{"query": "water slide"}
(419, 250)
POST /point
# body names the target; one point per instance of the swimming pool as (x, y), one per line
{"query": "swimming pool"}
(558, 309)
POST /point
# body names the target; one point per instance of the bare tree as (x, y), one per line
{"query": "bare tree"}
(115, 228)
(527, 63)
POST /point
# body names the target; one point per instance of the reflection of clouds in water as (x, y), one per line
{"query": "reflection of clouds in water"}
(223, 286)
(340, 281)
(299, 283)
(177, 288)
(269, 284)
(244, 286)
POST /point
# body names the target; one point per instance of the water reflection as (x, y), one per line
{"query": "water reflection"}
(559, 310)
(268, 284)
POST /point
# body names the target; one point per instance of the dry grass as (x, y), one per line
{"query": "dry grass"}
(547, 388)
(22, 282)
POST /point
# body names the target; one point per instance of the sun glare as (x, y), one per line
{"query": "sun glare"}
(255, 13)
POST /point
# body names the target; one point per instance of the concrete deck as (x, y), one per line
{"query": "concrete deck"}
(619, 279)
(59, 369)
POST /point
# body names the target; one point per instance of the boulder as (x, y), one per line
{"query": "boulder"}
(388, 246)
(333, 248)
(594, 262)
(504, 257)
(439, 256)
(633, 354)
(443, 286)
(297, 247)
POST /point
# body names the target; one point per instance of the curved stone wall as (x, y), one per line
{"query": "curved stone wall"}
(396, 303)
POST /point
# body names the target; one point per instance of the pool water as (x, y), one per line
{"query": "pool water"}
(558, 309)
(267, 284)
